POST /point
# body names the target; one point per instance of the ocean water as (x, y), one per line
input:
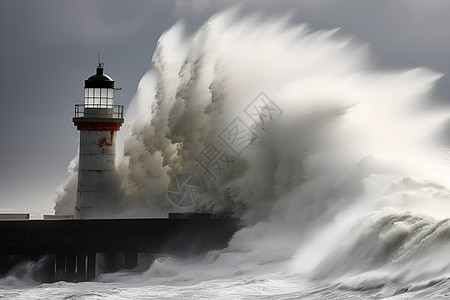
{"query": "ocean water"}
(168, 279)
(338, 168)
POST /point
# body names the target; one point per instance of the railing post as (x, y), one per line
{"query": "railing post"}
(81, 266)
(60, 263)
(71, 265)
(4, 265)
(49, 268)
(91, 261)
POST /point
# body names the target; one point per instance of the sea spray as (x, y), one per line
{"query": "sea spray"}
(351, 141)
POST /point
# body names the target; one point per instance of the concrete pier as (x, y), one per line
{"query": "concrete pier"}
(68, 249)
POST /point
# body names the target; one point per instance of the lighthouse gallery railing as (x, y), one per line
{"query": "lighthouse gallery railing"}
(98, 111)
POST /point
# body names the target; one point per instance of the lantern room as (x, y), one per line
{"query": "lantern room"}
(99, 90)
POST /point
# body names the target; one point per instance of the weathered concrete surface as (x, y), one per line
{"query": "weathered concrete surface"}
(96, 173)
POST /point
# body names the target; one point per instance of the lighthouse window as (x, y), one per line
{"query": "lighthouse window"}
(98, 97)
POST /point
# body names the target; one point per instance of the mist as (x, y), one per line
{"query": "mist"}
(337, 167)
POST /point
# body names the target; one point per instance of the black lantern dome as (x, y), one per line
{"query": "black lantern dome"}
(99, 80)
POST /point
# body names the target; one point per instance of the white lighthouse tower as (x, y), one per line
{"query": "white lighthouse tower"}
(98, 121)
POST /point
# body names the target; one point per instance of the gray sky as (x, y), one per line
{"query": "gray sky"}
(48, 48)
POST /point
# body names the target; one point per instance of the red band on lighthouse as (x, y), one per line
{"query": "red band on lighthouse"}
(98, 126)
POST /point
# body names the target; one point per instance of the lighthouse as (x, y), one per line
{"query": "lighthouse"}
(98, 121)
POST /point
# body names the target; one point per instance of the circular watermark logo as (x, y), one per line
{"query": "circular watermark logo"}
(184, 190)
